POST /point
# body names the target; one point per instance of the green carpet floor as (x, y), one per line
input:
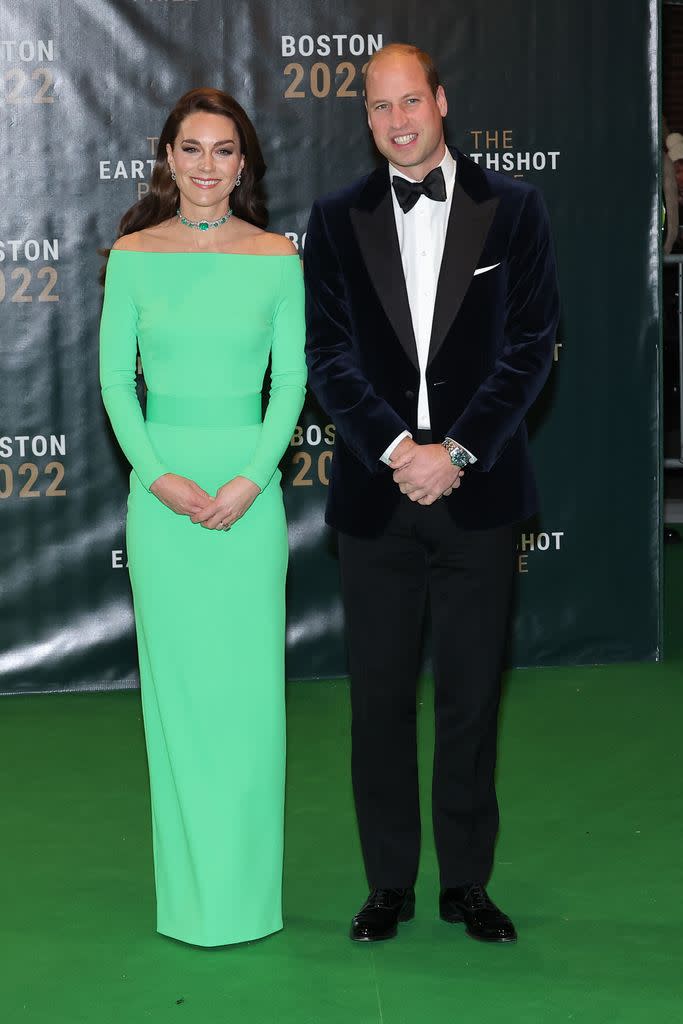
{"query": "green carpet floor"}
(588, 865)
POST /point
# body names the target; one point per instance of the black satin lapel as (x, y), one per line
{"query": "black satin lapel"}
(468, 226)
(376, 233)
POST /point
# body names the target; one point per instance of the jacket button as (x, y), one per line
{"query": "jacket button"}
(410, 394)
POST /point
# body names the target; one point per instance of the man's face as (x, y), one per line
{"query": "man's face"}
(404, 117)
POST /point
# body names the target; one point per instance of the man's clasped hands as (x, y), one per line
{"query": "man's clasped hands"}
(424, 472)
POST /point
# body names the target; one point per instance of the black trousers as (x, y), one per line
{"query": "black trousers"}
(466, 576)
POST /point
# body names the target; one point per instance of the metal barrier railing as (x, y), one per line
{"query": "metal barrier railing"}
(676, 259)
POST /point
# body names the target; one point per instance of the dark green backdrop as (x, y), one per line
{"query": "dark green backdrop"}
(563, 94)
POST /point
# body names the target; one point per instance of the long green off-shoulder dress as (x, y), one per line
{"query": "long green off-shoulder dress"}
(209, 604)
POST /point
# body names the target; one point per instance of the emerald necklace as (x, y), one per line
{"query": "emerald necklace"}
(203, 225)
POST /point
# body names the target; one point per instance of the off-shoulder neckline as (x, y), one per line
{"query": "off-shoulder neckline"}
(183, 252)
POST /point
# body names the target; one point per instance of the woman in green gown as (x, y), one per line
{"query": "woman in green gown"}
(209, 298)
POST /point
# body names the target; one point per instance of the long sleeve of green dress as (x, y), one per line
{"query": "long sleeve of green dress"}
(287, 375)
(118, 357)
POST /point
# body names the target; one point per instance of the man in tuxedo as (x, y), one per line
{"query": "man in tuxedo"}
(432, 308)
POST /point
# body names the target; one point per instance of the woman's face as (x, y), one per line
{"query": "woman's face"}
(206, 158)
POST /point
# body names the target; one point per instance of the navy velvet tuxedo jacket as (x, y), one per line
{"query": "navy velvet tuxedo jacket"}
(490, 353)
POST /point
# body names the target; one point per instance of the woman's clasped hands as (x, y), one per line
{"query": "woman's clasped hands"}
(187, 498)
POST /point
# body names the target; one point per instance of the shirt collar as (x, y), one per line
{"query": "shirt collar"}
(447, 165)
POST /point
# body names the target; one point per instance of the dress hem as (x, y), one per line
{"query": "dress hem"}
(210, 944)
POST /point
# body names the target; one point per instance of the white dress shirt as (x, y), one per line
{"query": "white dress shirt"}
(421, 239)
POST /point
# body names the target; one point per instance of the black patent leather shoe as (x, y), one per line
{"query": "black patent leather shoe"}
(482, 918)
(379, 916)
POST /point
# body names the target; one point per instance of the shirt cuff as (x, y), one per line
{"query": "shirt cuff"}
(386, 454)
(468, 453)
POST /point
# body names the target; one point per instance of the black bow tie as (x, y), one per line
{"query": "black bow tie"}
(408, 192)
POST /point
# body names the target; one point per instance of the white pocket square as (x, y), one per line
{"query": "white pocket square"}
(482, 270)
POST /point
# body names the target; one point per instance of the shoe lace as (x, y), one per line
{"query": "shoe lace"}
(477, 898)
(382, 898)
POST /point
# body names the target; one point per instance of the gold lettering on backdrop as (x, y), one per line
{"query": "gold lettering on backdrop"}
(493, 138)
(301, 479)
(25, 284)
(556, 353)
(342, 81)
(32, 481)
(293, 92)
(21, 87)
(322, 468)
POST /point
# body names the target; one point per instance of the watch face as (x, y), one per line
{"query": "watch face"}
(459, 457)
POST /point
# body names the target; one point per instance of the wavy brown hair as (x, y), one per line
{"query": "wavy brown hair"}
(161, 202)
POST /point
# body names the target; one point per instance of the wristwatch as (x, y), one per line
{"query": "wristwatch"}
(459, 456)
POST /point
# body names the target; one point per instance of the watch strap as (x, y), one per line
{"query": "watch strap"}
(458, 455)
